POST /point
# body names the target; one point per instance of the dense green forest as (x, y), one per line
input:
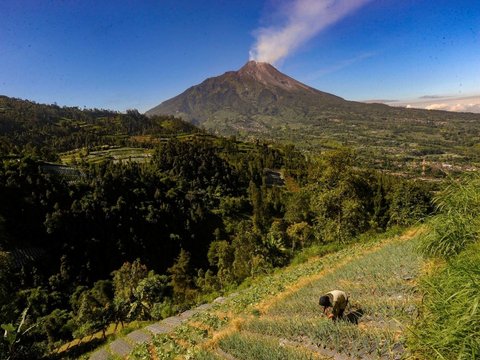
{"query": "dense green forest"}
(115, 241)
(47, 130)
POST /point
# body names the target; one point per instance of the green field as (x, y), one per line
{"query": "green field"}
(116, 154)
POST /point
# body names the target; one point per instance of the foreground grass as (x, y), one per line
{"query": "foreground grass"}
(277, 317)
(449, 327)
(257, 347)
(383, 301)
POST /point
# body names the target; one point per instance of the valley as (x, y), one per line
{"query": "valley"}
(259, 102)
(170, 216)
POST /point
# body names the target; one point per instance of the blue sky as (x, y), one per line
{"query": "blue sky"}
(135, 54)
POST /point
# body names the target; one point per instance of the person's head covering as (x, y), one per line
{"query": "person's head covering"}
(324, 301)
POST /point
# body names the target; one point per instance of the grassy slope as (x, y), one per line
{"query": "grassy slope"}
(277, 317)
(449, 325)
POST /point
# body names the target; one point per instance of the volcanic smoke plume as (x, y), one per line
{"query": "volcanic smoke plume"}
(303, 19)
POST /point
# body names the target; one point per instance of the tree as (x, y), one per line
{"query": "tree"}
(150, 290)
(297, 208)
(96, 310)
(244, 243)
(56, 326)
(182, 281)
(125, 283)
(273, 245)
(340, 200)
(410, 201)
(221, 255)
(300, 235)
(381, 211)
(260, 216)
(14, 344)
(340, 213)
(127, 278)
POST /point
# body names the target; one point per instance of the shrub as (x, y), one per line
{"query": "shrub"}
(457, 224)
(450, 325)
(163, 310)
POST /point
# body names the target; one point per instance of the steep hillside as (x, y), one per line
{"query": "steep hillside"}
(278, 317)
(199, 215)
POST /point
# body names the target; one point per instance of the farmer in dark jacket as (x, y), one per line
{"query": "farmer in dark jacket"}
(337, 299)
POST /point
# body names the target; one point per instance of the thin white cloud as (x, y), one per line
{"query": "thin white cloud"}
(455, 107)
(303, 20)
(447, 103)
(441, 106)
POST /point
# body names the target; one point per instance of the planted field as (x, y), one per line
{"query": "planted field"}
(278, 317)
(382, 302)
(117, 154)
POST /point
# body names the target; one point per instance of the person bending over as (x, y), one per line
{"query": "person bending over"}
(337, 300)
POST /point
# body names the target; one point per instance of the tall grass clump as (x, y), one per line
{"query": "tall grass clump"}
(457, 222)
(450, 325)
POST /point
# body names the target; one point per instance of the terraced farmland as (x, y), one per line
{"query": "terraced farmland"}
(278, 317)
(116, 154)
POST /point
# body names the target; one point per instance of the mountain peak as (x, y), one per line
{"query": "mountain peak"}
(253, 65)
(267, 74)
(238, 99)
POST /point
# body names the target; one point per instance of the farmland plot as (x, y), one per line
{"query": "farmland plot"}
(278, 317)
(383, 301)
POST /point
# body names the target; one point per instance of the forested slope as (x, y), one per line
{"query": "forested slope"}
(48, 130)
(109, 242)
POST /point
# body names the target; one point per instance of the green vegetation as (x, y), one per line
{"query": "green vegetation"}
(116, 154)
(449, 326)
(457, 224)
(45, 131)
(382, 295)
(192, 198)
(407, 141)
(108, 239)
(277, 315)
(253, 347)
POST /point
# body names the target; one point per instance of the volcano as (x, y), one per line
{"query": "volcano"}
(253, 99)
(261, 101)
